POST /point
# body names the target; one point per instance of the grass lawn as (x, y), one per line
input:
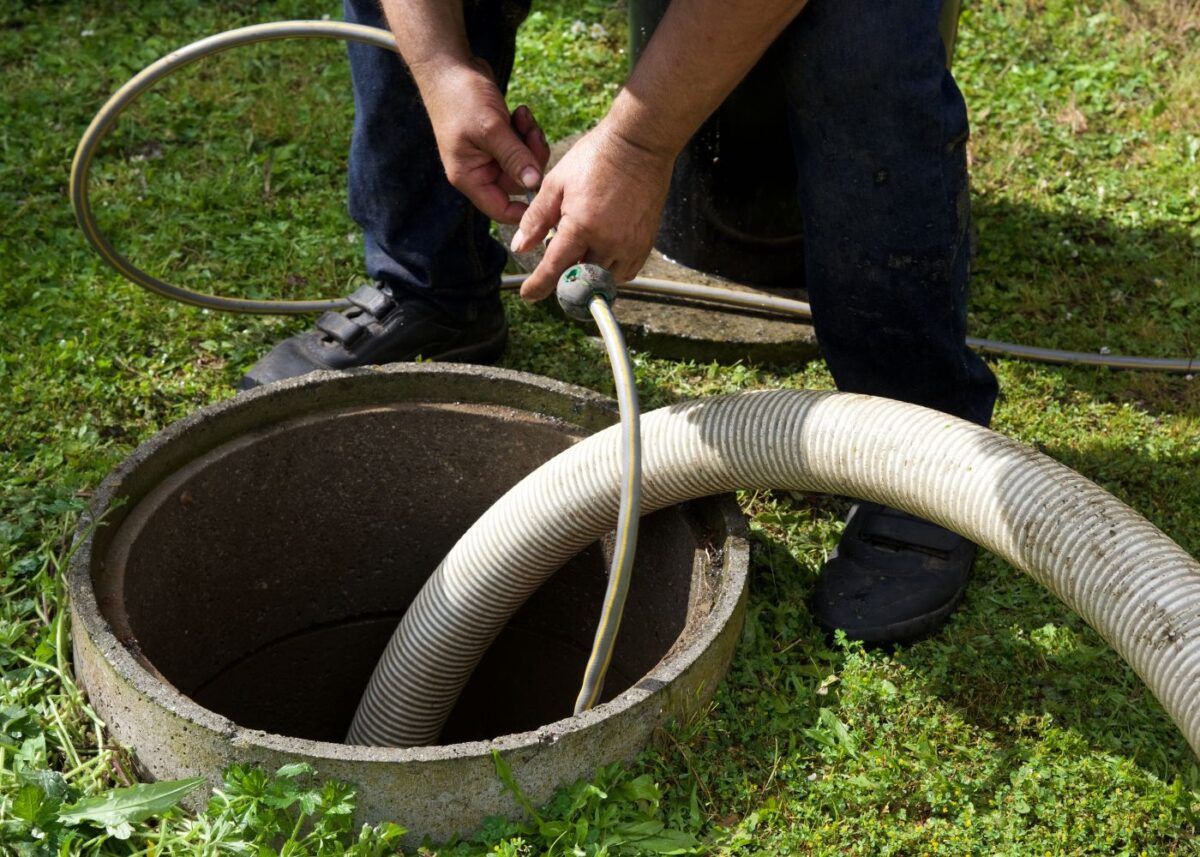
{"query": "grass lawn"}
(1014, 731)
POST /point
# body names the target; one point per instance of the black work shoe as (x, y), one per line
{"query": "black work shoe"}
(893, 578)
(380, 328)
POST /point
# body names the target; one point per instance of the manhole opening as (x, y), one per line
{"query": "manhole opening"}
(264, 579)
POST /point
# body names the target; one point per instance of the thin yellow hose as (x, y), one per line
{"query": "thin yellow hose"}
(629, 513)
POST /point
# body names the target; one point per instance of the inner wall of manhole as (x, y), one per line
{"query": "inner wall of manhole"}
(264, 578)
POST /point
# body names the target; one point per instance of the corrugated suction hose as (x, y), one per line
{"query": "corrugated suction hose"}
(1127, 579)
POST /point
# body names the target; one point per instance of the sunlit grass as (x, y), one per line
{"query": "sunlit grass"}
(1015, 731)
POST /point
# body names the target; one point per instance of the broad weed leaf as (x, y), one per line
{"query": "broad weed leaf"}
(119, 808)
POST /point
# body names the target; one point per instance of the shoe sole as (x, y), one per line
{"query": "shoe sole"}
(488, 351)
(899, 633)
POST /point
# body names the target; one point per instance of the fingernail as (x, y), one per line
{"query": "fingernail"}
(518, 240)
(530, 178)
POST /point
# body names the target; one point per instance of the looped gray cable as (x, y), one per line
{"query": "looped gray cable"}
(107, 117)
(762, 302)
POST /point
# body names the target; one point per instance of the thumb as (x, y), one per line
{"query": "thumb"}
(515, 158)
(539, 218)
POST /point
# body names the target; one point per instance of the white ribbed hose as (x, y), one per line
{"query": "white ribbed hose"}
(1128, 580)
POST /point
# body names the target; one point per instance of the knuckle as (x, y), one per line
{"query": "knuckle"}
(491, 125)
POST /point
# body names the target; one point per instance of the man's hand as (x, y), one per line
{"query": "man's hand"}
(487, 153)
(605, 198)
(607, 194)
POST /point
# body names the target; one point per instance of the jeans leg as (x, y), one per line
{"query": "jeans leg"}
(879, 131)
(420, 234)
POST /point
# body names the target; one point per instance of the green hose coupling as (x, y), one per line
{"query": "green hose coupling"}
(578, 284)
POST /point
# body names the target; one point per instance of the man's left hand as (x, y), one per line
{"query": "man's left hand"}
(605, 200)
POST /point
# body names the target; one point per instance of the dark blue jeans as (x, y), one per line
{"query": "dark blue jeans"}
(419, 233)
(879, 131)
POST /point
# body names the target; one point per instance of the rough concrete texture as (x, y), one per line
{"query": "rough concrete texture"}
(249, 580)
(683, 330)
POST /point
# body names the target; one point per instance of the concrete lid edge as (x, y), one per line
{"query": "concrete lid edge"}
(91, 622)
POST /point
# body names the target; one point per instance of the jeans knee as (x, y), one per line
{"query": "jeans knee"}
(842, 63)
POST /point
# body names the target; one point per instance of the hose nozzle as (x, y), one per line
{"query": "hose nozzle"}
(577, 286)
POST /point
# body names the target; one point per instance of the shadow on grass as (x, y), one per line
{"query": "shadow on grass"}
(1014, 654)
(1008, 674)
(1066, 280)
(1083, 278)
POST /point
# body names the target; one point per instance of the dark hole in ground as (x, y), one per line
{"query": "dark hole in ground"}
(265, 578)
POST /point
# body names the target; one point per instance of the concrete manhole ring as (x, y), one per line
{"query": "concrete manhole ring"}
(253, 558)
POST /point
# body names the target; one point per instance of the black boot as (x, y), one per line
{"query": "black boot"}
(893, 578)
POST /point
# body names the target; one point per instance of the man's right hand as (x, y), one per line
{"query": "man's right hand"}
(487, 153)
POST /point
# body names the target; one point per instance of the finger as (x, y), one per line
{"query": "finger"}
(511, 153)
(526, 125)
(565, 250)
(536, 141)
(608, 263)
(508, 185)
(623, 272)
(522, 119)
(494, 202)
(487, 173)
(541, 216)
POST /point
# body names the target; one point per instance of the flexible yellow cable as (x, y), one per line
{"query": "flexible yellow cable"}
(629, 514)
(791, 308)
